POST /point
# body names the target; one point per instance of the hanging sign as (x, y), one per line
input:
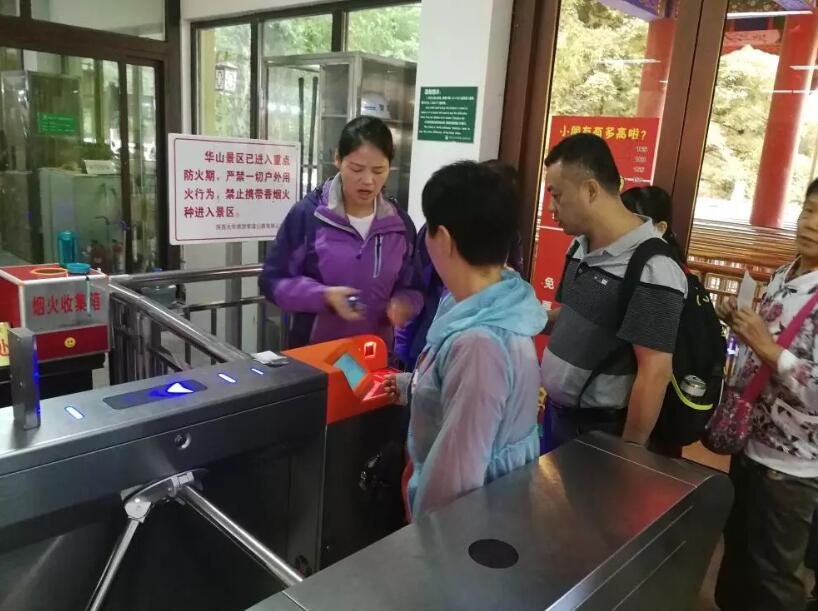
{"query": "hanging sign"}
(229, 189)
(632, 141)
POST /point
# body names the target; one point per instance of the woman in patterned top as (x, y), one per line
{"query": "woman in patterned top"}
(776, 477)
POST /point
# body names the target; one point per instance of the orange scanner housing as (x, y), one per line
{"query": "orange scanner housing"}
(357, 369)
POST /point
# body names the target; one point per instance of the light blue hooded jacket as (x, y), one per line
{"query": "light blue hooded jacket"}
(474, 394)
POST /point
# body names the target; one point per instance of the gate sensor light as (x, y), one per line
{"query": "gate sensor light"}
(177, 388)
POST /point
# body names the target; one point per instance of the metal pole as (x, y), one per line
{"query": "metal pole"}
(186, 276)
(206, 342)
(313, 110)
(252, 546)
(111, 569)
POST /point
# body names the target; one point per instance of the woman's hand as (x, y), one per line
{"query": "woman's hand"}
(390, 387)
(725, 309)
(752, 330)
(399, 312)
(337, 299)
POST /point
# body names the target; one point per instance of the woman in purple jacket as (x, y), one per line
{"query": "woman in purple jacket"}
(342, 262)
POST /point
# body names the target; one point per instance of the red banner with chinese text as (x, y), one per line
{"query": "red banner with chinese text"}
(633, 144)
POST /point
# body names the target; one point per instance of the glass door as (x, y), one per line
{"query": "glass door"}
(761, 150)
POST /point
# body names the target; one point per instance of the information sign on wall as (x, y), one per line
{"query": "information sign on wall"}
(229, 189)
(56, 124)
(447, 114)
(632, 141)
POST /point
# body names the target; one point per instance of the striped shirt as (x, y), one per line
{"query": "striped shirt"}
(589, 327)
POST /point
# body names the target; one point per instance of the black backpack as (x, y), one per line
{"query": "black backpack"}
(701, 350)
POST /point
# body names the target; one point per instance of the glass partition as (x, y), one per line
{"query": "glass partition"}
(391, 31)
(297, 35)
(10, 8)
(223, 81)
(61, 161)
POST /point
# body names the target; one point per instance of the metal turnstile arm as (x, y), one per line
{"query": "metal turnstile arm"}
(181, 488)
(249, 544)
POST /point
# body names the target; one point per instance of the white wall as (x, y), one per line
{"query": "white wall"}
(463, 43)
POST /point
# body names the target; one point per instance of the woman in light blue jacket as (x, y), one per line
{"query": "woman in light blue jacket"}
(474, 391)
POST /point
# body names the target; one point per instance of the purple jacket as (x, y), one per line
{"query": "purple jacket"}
(317, 247)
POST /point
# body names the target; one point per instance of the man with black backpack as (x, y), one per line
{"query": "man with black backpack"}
(609, 362)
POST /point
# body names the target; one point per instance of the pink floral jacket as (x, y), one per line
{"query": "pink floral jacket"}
(785, 420)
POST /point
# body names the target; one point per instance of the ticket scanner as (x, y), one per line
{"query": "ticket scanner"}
(365, 441)
(356, 368)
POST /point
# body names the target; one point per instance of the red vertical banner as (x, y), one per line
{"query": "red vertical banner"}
(633, 144)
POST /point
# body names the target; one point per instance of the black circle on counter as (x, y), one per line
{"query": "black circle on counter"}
(493, 554)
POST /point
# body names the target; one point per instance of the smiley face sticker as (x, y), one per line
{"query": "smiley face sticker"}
(70, 342)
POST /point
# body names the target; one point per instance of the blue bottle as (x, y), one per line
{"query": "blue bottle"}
(66, 248)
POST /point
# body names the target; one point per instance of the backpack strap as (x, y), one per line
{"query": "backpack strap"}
(633, 276)
(568, 257)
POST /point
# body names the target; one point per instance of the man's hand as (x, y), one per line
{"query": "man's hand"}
(654, 370)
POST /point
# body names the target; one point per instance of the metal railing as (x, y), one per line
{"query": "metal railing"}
(149, 339)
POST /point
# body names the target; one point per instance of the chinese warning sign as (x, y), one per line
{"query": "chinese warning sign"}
(632, 141)
(229, 190)
(447, 114)
(64, 305)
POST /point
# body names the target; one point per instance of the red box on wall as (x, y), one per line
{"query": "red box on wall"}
(67, 313)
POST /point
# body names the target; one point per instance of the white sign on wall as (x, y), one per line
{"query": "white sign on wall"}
(229, 189)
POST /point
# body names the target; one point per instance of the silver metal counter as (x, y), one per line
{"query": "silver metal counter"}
(594, 525)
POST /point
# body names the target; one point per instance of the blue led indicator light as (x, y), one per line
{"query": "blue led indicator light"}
(227, 378)
(74, 413)
(178, 388)
(258, 371)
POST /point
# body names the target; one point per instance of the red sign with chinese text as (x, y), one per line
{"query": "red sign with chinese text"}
(632, 141)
